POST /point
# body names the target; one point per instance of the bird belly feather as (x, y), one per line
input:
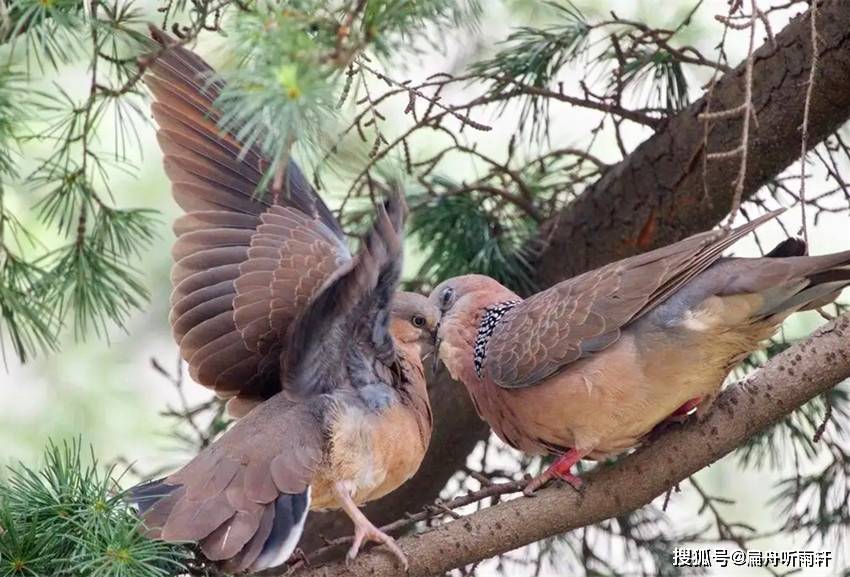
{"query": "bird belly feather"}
(374, 452)
(606, 403)
(595, 405)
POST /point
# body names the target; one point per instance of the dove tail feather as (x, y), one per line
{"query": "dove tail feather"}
(146, 495)
(290, 514)
(821, 281)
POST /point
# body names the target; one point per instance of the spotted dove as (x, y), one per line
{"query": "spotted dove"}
(312, 345)
(588, 367)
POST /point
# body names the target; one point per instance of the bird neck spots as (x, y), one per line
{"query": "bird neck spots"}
(490, 319)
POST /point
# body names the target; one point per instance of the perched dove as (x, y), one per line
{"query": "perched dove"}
(591, 365)
(317, 352)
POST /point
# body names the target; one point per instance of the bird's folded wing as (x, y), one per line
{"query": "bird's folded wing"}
(225, 497)
(245, 264)
(583, 315)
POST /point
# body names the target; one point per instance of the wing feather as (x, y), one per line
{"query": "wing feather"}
(580, 316)
(245, 265)
(225, 496)
(343, 335)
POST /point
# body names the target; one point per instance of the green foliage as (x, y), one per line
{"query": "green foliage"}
(464, 234)
(818, 504)
(96, 284)
(283, 89)
(659, 75)
(293, 61)
(88, 278)
(26, 318)
(488, 225)
(533, 57)
(392, 26)
(630, 59)
(13, 114)
(51, 30)
(70, 518)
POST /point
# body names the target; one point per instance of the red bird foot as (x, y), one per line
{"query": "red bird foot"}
(560, 469)
(681, 414)
(677, 417)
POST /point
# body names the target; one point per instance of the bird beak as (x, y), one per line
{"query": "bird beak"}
(435, 367)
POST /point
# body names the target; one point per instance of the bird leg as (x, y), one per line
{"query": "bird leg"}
(677, 417)
(681, 414)
(559, 469)
(364, 530)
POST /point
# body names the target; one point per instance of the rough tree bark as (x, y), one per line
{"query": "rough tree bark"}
(657, 190)
(658, 194)
(786, 382)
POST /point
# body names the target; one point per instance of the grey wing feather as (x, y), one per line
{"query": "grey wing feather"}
(577, 317)
(342, 338)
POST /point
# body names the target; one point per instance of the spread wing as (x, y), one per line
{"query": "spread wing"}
(343, 338)
(583, 315)
(245, 264)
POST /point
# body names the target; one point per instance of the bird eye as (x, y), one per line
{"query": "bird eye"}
(446, 297)
(418, 321)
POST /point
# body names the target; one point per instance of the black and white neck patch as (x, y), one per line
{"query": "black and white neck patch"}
(492, 315)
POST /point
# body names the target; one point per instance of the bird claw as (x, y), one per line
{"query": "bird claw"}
(560, 469)
(536, 482)
(529, 489)
(396, 550)
(540, 480)
(371, 533)
(299, 556)
(573, 481)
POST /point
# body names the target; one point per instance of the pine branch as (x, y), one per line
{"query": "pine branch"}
(68, 518)
(89, 279)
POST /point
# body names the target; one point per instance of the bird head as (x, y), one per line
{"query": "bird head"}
(414, 321)
(461, 301)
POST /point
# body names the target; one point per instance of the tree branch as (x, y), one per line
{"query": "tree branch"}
(658, 194)
(787, 381)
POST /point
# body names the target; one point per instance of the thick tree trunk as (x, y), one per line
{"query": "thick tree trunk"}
(786, 382)
(659, 195)
(657, 190)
